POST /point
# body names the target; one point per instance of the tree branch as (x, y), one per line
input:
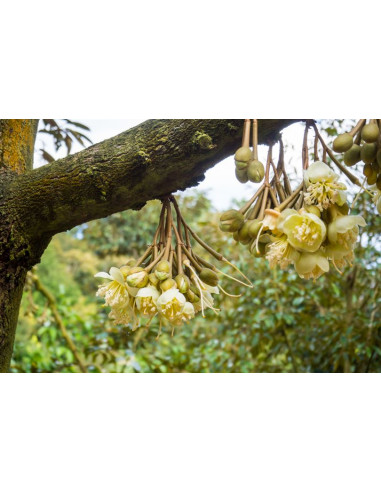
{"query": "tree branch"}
(149, 161)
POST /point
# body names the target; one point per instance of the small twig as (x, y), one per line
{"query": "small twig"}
(57, 317)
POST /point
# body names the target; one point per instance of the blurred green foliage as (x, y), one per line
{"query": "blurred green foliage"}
(282, 324)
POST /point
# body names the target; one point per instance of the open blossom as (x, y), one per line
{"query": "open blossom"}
(121, 314)
(146, 299)
(344, 230)
(280, 252)
(323, 188)
(305, 231)
(171, 304)
(311, 265)
(187, 314)
(114, 292)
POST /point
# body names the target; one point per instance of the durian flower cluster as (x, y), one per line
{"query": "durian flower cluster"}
(309, 229)
(169, 281)
(320, 232)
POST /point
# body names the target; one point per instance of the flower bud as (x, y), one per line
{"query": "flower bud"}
(254, 228)
(167, 284)
(208, 277)
(370, 132)
(368, 152)
(255, 171)
(241, 166)
(125, 270)
(243, 233)
(192, 297)
(137, 277)
(182, 282)
(243, 154)
(342, 143)
(163, 270)
(241, 175)
(231, 221)
(153, 279)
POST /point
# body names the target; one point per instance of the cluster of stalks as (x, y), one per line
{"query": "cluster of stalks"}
(307, 226)
(170, 280)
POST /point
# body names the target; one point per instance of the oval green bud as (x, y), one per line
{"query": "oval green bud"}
(231, 221)
(137, 277)
(370, 132)
(254, 228)
(342, 143)
(192, 297)
(367, 170)
(255, 171)
(368, 152)
(167, 284)
(163, 270)
(243, 233)
(241, 175)
(182, 282)
(353, 155)
(240, 165)
(372, 179)
(153, 279)
(243, 154)
(208, 277)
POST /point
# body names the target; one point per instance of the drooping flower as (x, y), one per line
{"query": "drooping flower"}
(187, 314)
(339, 255)
(171, 304)
(323, 188)
(280, 252)
(114, 292)
(305, 231)
(311, 265)
(206, 298)
(344, 230)
(146, 300)
(122, 314)
(270, 219)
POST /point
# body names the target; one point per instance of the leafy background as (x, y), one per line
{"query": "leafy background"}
(282, 324)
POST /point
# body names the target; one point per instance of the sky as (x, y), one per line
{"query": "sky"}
(220, 184)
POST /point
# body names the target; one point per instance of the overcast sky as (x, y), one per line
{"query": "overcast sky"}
(220, 184)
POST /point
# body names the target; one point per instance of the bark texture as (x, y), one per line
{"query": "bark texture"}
(149, 161)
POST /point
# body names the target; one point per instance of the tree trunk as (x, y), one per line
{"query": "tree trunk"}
(16, 157)
(149, 161)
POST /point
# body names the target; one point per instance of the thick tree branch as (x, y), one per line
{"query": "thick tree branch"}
(151, 160)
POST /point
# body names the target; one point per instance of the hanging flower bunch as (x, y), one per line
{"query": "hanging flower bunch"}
(363, 144)
(308, 227)
(169, 281)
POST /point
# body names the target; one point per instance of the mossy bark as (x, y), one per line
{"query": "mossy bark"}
(149, 161)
